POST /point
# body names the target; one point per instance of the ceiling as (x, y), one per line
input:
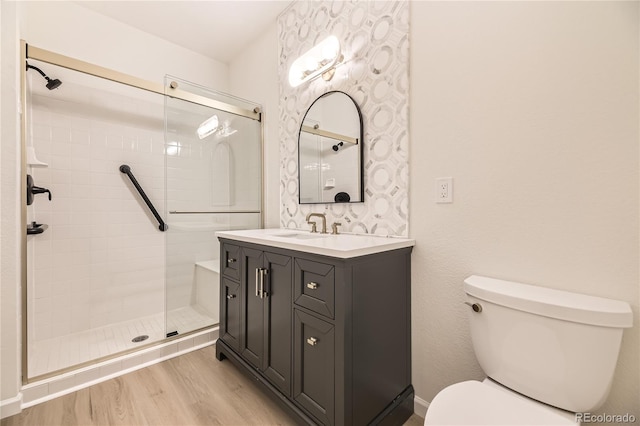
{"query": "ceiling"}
(218, 29)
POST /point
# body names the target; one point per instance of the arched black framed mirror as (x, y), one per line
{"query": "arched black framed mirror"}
(330, 151)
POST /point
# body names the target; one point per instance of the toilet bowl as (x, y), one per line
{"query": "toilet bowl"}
(548, 354)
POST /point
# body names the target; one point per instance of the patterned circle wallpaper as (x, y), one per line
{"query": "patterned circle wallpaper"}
(374, 36)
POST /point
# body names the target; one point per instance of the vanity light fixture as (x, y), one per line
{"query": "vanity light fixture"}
(319, 60)
(208, 126)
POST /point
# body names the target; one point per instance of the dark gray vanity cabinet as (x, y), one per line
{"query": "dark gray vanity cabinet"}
(230, 311)
(314, 366)
(266, 314)
(330, 338)
(255, 310)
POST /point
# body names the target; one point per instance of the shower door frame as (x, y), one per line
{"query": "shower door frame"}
(28, 51)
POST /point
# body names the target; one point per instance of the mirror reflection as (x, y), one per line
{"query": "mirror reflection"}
(330, 151)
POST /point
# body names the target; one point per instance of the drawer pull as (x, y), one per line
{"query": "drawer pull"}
(312, 285)
(231, 260)
(231, 296)
(312, 341)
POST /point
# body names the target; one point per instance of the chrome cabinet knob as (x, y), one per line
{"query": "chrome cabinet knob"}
(312, 285)
(231, 296)
(312, 341)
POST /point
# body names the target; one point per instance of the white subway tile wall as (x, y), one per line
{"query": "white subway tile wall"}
(100, 265)
(102, 258)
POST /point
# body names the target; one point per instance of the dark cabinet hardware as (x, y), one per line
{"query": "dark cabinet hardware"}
(33, 190)
(36, 228)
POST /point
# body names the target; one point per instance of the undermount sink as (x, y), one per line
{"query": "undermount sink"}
(300, 236)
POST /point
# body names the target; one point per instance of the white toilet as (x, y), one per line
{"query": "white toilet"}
(541, 349)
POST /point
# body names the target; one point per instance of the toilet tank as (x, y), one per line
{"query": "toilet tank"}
(554, 346)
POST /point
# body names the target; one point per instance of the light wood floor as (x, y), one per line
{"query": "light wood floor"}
(192, 389)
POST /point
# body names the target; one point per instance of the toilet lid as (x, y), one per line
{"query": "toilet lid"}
(475, 403)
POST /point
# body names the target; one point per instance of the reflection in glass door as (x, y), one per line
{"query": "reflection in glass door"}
(213, 182)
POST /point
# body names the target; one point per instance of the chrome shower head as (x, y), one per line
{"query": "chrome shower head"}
(51, 84)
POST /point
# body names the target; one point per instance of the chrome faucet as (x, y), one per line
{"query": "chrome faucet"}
(313, 224)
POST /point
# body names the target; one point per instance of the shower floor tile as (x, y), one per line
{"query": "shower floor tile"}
(50, 355)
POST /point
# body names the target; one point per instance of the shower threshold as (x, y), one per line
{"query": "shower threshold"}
(47, 356)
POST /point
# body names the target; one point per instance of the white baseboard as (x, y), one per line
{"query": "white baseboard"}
(420, 406)
(11, 407)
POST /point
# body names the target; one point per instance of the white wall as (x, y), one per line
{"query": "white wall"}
(532, 108)
(69, 29)
(253, 75)
(72, 30)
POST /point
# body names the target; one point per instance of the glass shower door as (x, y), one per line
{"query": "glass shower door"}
(95, 276)
(213, 161)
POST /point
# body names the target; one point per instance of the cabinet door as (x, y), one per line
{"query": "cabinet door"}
(278, 321)
(230, 313)
(253, 309)
(314, 362)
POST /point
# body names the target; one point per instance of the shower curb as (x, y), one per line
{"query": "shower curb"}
(53, 387)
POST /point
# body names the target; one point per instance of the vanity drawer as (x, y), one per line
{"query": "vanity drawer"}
(314, 284)
(230, 261)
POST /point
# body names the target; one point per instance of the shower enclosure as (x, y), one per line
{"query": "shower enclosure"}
(104, 274)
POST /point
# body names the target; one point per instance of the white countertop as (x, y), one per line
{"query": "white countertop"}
(342, 246)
